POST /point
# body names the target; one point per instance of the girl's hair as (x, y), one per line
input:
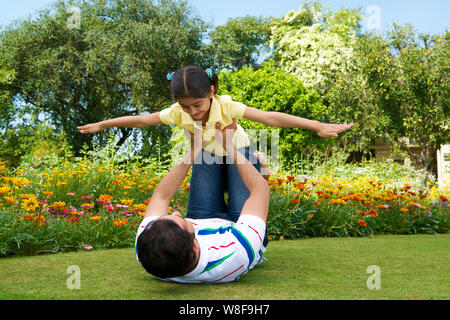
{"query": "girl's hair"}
(193, 82)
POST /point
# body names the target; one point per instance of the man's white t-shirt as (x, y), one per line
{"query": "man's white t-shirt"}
(228, 250)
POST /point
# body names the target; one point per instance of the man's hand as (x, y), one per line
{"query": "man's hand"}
(326, 130)
(90, 128)
(225, 136)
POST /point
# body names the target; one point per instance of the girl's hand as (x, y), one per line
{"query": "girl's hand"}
(90, 128)
(327, 130)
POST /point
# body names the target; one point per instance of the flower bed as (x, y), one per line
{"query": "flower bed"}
(86, 205)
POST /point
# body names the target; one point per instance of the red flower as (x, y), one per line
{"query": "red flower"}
(295, 201)
(444, 198)
(362, 223)
(73, 220)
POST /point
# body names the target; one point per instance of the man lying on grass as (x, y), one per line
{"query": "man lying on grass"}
(204, 250)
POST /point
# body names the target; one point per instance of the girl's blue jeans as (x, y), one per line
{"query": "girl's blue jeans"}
(211, 178)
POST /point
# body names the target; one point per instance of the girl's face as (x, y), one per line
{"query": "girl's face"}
(197, 108)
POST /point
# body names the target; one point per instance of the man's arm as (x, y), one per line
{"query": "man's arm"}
(123, 122)
(257, 203)
(169, 185)
(283, 120)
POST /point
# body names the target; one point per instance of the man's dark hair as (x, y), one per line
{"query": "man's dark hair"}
(166, 250)
(193, 82)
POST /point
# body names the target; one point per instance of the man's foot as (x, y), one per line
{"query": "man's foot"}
(265, 169)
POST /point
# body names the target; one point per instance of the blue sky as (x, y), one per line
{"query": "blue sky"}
(430, 16)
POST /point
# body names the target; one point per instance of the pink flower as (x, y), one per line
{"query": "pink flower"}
(86, 198)
(70, 194)
(87, 246)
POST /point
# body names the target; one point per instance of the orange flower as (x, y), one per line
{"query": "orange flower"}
(301, 186)
(373, 213)
(295, 201)
(290, 178)
(444, 198)
(362, 223)
(404, 209)
(105, 197)
(120, 222)
(362, 213)
(39, 220)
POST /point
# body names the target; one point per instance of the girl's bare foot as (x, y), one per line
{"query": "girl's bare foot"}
(265, 169)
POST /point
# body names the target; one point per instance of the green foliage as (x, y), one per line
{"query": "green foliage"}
(6, 105)
(398, 88)
(240, 42)
(113, 64)
(316, 44)
(33, 145)
(272, 89)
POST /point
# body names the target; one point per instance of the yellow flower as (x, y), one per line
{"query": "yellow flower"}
(58, 205)
(95, 218)
(127, 202)
(4, 189)
(30, 204)
(48, 194)
(10, 200)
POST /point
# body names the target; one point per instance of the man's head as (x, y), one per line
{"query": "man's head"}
(167, 248)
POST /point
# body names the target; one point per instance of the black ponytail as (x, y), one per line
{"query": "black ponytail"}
(193, 82)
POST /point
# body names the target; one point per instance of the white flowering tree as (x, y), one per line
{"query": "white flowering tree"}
(316, 44)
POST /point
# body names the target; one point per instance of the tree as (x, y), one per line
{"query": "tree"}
(106, 59)
(400, 88)
(240, 42)
(6, 105)
(316, 44)
(272, 89)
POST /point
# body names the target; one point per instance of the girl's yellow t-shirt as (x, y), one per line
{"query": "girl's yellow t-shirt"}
(223, 110)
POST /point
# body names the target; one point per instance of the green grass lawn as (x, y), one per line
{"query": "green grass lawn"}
(412, 267)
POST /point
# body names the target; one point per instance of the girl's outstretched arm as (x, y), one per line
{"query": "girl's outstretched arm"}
(283, 120)
(125, 122)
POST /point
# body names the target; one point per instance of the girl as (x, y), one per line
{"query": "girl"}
(195, 90)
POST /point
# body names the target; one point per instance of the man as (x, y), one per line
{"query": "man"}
(204, 250)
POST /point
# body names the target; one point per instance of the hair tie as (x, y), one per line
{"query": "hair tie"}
(209, 72)
(170, 75)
